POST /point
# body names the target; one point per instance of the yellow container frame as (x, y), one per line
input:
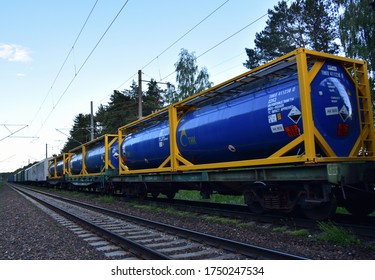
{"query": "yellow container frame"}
(65, 157)
(108, 139)
(307, 63)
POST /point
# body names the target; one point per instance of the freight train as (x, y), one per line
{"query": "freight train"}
(293, 134)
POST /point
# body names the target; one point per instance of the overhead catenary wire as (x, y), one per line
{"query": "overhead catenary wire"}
(221, 42)
(63, 64)
(186, 33)
(83, 64)
(174, 43)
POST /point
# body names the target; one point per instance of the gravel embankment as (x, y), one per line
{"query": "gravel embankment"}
(25, 233)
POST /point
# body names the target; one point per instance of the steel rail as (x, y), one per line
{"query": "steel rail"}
(251, 251)
(124, 243)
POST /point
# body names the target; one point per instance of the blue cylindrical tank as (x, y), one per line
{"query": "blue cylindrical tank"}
(60, 168)
(76, 163)
(95, 158)
(148, 147)
(256, 124)
(52, 169)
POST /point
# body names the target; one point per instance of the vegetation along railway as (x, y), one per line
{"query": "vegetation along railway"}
(295, 133)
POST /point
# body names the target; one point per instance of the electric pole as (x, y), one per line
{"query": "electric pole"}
(139, 94)
(92, 122)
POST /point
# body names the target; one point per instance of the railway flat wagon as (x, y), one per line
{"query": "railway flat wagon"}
(86, 166)
(295, 133)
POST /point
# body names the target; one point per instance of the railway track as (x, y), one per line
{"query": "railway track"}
(124, 236)
(364, 226)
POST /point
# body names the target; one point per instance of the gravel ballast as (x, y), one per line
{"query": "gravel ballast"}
(26, 232)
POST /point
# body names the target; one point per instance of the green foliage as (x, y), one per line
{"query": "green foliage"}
(107, 199)
(153, 99)
(357, 29)
(217, 219)
(189, 79)
(297, 232)
(305, 23)
(332, 232)
(217, 198)
(121, 109)
(80, 132)
(357, 32)
(342, 210)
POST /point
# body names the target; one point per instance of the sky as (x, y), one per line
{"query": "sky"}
(55, 58)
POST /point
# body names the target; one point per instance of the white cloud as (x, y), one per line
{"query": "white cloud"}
(13, 52)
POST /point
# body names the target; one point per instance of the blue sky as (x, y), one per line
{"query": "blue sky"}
(36, 37)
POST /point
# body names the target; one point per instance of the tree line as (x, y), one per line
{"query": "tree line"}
(331, 26)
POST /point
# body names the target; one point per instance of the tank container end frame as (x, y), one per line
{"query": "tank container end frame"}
(52, 163)
(109, 140)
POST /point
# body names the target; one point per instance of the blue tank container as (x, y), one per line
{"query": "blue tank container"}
(59, 168)
(95, 158)
(52, 169)
(256, 124)
(76, 164)
(148, 147)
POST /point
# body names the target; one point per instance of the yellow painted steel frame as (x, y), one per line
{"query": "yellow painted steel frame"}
(308, 64)
(108, 139)
(65, 157)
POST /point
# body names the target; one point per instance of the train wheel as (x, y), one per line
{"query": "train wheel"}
(155, 194)
(142, 195)
(170, 195)
(360, 210)
(324, 211)
(359, 203)
(254, 206)
(142, 191)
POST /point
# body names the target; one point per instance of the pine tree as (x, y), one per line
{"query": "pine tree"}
(153, 98)
(80, 132)
(305, 23)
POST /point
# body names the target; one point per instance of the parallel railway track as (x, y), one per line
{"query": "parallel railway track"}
(364, 226)
(134, 237)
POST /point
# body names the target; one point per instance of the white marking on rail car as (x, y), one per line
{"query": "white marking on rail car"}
(277, 128)
(331, 111)
(272, 118)
(331, 67)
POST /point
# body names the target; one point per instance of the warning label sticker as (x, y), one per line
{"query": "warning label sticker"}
(295, 114)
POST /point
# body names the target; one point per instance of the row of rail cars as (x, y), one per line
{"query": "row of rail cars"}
(297, 132)
(34, 174)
